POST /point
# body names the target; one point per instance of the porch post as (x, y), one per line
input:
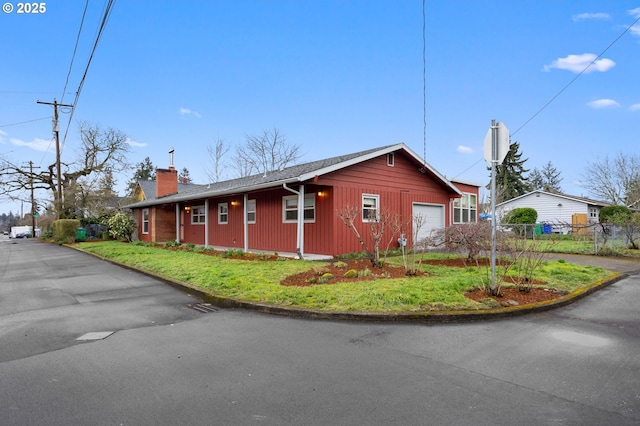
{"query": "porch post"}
(300, 248)
(206, 223)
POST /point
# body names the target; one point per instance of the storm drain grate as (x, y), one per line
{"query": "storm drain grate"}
(205, 308)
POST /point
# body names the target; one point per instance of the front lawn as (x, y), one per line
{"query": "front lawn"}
(440, 288)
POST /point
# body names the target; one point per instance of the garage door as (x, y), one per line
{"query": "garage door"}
(432, 217)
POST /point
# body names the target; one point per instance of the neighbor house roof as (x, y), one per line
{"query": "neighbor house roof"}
(148, 188)
(298, 173)
(558, 195)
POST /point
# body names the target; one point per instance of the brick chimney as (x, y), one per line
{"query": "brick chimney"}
(166, 182)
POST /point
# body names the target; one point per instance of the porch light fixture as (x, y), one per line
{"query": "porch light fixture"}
(187, 208)
(321, 194)
(234, 203)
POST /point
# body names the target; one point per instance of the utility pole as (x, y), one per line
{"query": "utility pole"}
(56, 134)
(33, 200)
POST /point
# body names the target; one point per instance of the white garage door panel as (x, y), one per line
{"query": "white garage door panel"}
(433, 218)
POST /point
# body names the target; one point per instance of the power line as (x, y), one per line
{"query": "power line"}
(576, 77)
(566, 86)
(103, 23)
(424, 82)
(75, 49)
(23, 122)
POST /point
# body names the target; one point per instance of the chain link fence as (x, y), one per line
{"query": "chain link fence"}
(606, 238)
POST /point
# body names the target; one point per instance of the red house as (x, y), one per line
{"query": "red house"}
(261, 212)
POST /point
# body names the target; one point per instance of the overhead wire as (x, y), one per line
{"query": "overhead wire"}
(23, 122)
(424, 82)
(103, 23)
(566, 86)
(75, 49)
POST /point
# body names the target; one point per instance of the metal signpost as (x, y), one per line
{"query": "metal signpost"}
(496, 146)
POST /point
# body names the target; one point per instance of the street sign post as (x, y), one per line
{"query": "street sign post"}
(496, 147)
(501, 149)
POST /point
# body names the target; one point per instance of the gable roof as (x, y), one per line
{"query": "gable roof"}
(558, 195)
(148, 188)
(293, 174)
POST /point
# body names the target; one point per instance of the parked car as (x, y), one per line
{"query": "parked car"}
(23, 235)
(5, 233)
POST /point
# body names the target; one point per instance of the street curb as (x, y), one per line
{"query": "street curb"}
(415, 317)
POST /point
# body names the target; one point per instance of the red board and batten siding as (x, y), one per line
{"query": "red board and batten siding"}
(398, 187)
(269, 232)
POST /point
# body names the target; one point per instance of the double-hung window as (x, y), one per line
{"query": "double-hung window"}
(290, 208)
(251, 211)
(223, 213)
(145, 221)
(465, 208)
(198, 214)
(370, 207)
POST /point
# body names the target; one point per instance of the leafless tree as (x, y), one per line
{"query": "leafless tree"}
(615, 180)
(101, 150)
(217, 154)
(266, 152)
(386, 223)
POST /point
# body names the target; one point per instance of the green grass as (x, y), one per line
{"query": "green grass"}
(257, 281)
(583, 245)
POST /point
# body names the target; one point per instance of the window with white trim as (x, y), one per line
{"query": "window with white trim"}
(251, 211)
(465, 209)
(145, 221)
(198, 214)
(390, 159)
(223, 213)
(290, 208)
(593, 212)
(370, 207)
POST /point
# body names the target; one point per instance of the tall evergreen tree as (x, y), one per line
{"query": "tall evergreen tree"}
(510, 175)
(184, 176)
(547, 179)
(145, 170)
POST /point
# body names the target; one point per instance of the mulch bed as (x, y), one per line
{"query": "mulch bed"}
(509, 294)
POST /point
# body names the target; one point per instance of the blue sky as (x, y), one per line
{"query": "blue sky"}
(333, 76)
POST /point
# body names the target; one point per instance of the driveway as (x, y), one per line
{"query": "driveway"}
(616, 264)
(168, 364)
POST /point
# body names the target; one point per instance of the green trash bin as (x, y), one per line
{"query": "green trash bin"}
(539, 229)
(81, 234)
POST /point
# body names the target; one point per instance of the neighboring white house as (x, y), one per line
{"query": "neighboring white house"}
(558, 210)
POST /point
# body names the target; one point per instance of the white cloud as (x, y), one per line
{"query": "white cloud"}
(583, 16)
(635, 29)
(635, 107)
(187, 111)
(2, 136)
(464, 149)
(578, 63)
(134, 143)
(603, 103)
(45, 145)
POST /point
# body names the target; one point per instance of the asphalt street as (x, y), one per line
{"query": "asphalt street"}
(161, 362)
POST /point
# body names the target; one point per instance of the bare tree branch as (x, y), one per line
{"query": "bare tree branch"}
(265, 153)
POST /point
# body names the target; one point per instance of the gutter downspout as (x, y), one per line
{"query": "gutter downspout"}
(177, 222)
(300, 226)
(245, 223)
